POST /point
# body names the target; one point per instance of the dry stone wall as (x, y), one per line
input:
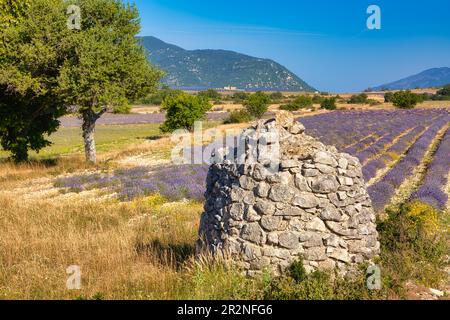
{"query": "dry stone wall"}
(315, 206)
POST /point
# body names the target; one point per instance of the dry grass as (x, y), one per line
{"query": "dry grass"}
(125, 250)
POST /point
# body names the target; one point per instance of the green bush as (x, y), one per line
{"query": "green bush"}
(318, 285)
(182, 111)
(257, 104)
(414, 245)
(239, 97)
(328, 104)
(406, 99)
(122, 108)
(317, 99)
(300, 102)
(238, 116)
(276, 96)
(373, 102)
(358, 99)
(210, 94)
(445, 91)
(158, 97)
(388, 97)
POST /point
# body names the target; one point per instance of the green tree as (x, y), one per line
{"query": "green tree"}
(358, 99)
(328, 104)
(182, 111)
(445, 91)
(29, 64)
(406, 99)
(105, 65)
(300, 102)
(257, 104)
(210, 94)
(276, 96)
(240, 96)
(388, 97)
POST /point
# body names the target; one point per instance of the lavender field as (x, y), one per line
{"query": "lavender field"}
(391, 145)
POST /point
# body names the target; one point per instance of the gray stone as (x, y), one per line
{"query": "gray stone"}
(325, 184)
(323, 168)
(330, 213)
(237, 194)
(287, 164)
(340, 254)
(281, 193)
(271, 223)
(325, 158)
(343, 163)
(297, 128)
(260, 172)
(262, 190)
(264, 207)
(301, 183)
(316, 225)
(290, 212)
(315, 254)
(288, 240)
(272, 238)
(251, 252)
(305, 201)
(310, 172)
(251, 215)
(246, 183)
(253, 233)
(237, 211)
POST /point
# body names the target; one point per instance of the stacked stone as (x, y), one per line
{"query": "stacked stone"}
(315, 207)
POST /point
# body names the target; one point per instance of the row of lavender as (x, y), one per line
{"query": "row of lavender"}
(432, 189)
(352, 131)
(383, 191)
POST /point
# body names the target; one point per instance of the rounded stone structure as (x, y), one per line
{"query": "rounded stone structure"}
(315, 206)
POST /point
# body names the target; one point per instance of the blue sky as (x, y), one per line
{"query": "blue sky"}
(326, 43)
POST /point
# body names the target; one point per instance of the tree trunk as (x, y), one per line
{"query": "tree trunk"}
(89, 119)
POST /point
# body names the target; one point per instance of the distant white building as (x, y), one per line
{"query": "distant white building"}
(230, 88)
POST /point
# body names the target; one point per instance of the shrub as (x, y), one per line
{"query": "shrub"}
(158, 97)
(298, 103)
(414, 245)
(445, 91)
(406, 99)
(317, 99)
(297, 271)
(239, 97)
(122, 108)
(210, 94)
(328, 104)
(373, 102)
(388, 97)
(238, 116)
(257, 104)
(276, 96)
(358, 99)
(182, 111)
(318, 285)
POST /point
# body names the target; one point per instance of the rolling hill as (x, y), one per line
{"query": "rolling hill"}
(435, 77)
(200, 69)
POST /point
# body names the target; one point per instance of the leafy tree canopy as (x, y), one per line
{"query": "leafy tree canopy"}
(183, 110)
(257, 104)
(29, 64)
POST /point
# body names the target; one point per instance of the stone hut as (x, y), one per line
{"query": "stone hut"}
(315, 206)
